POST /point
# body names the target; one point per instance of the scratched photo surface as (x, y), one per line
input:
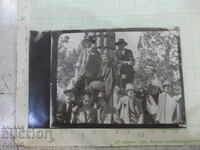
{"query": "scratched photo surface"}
(114, 78)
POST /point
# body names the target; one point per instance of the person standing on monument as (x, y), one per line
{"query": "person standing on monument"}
(125, 63)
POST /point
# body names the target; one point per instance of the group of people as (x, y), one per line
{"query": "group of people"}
(90, 100)
(101, 112)
(133, 108)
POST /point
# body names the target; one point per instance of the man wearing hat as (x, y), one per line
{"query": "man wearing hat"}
(125, 60)
(93, 60)
(65, 107)
(166, 105)
(88, 63)
(130, 107)
(106, 114)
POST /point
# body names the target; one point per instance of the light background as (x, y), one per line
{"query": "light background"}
(93, 14)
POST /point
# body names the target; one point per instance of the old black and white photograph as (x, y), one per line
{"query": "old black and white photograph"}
(111, 78)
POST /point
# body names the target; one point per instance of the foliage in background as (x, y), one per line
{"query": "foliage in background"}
(66, 60)
(158, 56)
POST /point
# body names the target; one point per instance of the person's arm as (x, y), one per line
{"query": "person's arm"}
(157, 119)
(151, 106)
(74, 115)
(132, 60)
(116, 117)
(59, 114)
(115, 57)
(119, 105)
(141, 117)
(179, 98)
(94, 115)
(118, 110)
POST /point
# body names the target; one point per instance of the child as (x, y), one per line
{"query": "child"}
(64, 114)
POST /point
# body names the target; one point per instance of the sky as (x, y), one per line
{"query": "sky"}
(131, 38)
(74, 40)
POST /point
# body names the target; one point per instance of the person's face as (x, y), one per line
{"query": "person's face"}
(86, 43)
(155, 90)
(70, 96)
(102, 102)
(121, 46)
(130, 93)
(87, 101)
(89, 44)
(166, 88)
(104, 58)
(177, 89)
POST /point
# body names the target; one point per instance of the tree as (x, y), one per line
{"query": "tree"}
(66, 60)
(158, 56)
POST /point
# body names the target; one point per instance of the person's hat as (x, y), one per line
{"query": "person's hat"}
(166, 83)
(121, 42)
(156, 82)
(69, 89)
(129, 86)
